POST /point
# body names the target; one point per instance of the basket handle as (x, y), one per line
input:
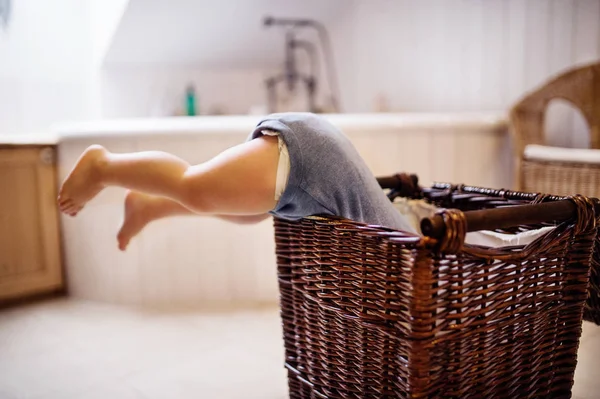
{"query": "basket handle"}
(510, 216)
(401, 185)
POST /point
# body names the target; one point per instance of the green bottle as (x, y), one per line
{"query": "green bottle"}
(190, 100)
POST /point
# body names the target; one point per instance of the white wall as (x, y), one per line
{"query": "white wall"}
(460, 55)
(434, 55)
(222, 47)
(105, 18)
(44, 65)
(150, 91)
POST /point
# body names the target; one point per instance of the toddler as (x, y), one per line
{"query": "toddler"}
(293, 165)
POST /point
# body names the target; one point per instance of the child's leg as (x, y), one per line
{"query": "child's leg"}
(241, 180)
(142, 209)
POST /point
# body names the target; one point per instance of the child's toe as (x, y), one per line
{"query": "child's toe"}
(64, 204)
(68, 208)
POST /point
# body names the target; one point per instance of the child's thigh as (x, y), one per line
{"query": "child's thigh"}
(240, 180)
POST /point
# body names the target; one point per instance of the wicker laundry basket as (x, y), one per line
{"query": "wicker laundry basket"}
(581, 87)
(370, 312)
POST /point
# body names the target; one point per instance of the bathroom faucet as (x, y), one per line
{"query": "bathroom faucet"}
(291, 75)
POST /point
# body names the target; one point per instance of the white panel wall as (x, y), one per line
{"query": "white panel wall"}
(445, 55)
(463, 55)
(434, 55)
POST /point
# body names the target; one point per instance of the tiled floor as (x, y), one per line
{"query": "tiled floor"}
(66, 349)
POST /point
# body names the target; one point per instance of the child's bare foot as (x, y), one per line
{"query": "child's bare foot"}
(84, 181)
(135, 217)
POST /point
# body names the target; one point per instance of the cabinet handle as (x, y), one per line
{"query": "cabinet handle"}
(47, 156)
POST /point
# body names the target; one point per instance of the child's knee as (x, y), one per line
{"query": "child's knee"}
(195, 194)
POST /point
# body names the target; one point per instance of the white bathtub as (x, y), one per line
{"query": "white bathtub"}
(196, 262)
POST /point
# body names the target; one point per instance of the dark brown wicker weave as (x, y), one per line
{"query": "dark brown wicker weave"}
(369, 312)
(473, 198)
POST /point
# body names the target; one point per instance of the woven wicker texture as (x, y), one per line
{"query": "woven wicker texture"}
(373, 313)
(581, 87)
(561, 178)
(473, 198)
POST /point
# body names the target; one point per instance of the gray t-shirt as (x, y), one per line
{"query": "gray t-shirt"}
(327, 175)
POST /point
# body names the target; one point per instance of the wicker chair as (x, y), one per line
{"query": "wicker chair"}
(581, 87)
(574, 171)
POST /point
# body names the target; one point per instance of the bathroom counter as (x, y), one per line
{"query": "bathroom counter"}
(28, 139)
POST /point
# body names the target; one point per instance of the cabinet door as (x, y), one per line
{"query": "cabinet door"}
(29, 231)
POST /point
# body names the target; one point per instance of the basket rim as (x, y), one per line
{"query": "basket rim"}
(415, 241)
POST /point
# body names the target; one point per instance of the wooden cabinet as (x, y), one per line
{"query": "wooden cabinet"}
(30, 261)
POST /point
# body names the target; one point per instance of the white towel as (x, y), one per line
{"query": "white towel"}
(415, 210)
